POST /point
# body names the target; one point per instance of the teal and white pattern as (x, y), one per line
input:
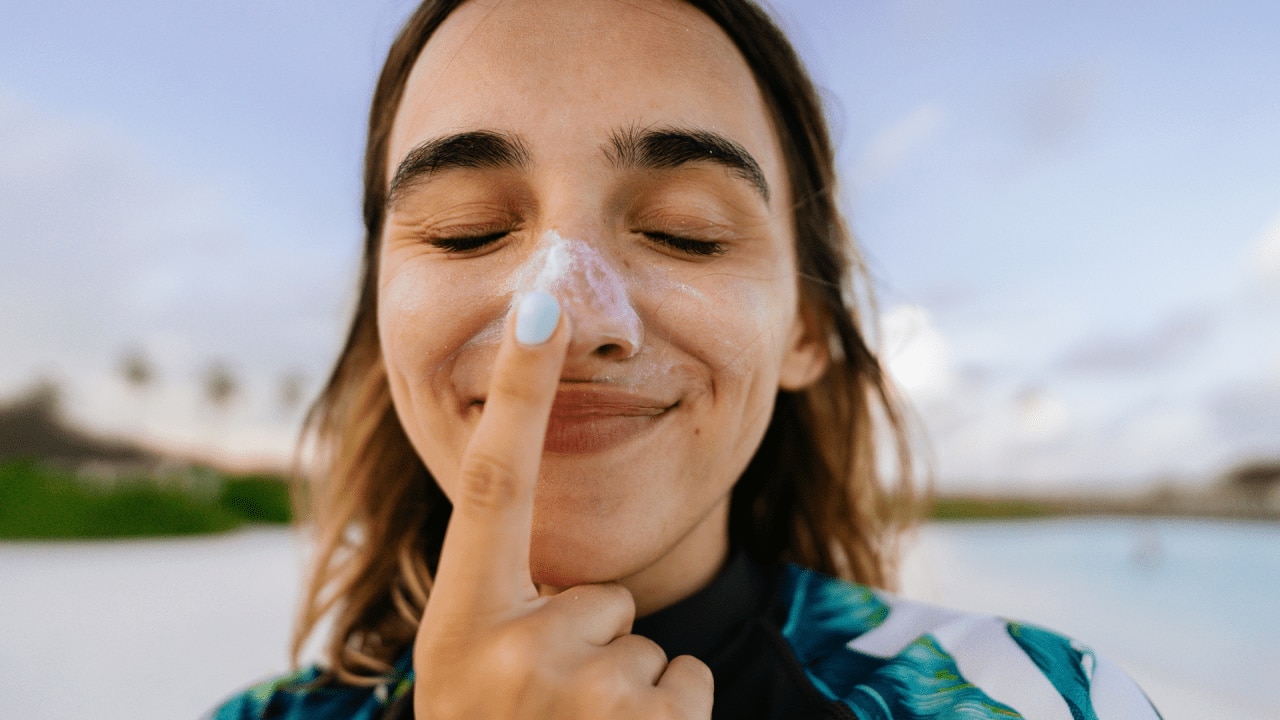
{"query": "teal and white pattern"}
(889, 658)
(882, 656)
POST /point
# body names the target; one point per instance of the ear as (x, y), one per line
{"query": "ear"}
(808, 353)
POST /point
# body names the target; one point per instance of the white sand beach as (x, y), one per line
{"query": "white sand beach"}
(136, 630)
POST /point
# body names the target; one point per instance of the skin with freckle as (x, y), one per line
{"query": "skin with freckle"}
(676, 356)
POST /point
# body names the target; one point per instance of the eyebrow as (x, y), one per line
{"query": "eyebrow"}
(668, 148)
(476, 149)
(656, 149)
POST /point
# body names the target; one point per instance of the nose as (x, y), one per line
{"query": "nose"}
(594, 294)
(605, 324)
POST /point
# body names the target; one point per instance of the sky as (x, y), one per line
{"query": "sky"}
(1070, 213)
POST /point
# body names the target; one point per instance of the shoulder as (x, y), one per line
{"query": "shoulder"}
(889, 657)
(303, 695)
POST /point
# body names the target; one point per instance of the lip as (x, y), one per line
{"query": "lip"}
(594, 419)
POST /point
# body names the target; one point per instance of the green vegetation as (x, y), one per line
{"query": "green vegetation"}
(258, 498)
(993, 508)
(45, 502)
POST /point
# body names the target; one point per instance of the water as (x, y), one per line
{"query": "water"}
(1188, 607)
(165, 629)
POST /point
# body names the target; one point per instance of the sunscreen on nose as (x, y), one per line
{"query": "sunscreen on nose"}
(586, 285)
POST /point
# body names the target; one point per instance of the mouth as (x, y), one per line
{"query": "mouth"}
(592, 419)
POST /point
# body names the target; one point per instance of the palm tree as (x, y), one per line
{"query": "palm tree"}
(220, 386)
(221, 389)
(139, 374)
(293, 387)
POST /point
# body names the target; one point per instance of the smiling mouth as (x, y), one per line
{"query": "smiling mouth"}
(588, 420)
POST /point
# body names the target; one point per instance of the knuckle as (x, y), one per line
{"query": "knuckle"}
(488, 482)
(619, 595)
(610, 594)
(648, 651)
(653, 649)
(698, 670)
(619, 598)
(603, 685)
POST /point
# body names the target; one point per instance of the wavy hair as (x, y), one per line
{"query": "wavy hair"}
(813, 493)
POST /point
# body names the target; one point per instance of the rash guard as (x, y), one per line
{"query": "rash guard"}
(786, 642)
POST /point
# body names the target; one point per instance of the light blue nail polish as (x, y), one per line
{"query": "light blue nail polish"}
(537, 315)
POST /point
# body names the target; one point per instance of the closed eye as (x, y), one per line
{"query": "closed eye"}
(688, 246)
(466, 243)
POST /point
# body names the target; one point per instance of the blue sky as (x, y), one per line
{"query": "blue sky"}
(1071, 212)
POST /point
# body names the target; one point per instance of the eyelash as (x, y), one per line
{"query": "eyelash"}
(467, 243)
(688, 246)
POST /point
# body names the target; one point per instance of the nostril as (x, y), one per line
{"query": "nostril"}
(610, 350)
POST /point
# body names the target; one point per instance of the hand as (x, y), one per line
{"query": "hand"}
(489, 646)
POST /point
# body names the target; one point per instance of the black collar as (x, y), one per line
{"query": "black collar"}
(702, 623)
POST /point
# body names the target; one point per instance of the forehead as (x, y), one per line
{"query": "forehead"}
(577, 70)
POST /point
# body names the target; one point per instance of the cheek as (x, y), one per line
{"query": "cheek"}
(431, 321)
(735, 326)
(424, 314)
(729, 326)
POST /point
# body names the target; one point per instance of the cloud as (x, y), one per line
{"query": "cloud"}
(1168, 342)
(1040, 416)
(1008, 428)
(918, 356)
(893, 145)
(1264, 259)
(103, 249)
(1249, 412)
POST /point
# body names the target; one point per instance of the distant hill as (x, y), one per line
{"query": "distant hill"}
(34, 427)
(1264, 473)
(1257, 481)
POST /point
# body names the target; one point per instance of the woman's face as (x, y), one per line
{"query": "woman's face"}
(619, 155)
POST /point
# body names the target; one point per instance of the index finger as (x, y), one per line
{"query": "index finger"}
(485, 557)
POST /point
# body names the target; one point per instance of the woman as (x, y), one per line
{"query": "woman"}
(603, 433)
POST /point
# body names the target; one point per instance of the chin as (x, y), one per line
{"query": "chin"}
(581, 557)
(588, 531)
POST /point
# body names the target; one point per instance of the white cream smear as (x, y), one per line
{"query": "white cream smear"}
(590, 290)
(601, 302)
(598, 299)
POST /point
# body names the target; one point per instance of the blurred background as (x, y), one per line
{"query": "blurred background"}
(1070, 212)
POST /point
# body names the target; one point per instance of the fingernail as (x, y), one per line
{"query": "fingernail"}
(537, 315)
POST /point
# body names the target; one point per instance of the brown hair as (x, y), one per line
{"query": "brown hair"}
(812, 493)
